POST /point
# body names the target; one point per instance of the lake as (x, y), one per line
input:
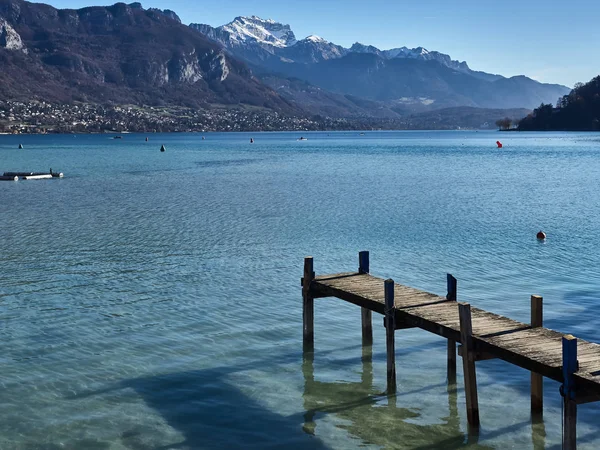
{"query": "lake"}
(152, 300)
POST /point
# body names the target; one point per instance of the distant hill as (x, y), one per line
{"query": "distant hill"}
(119, 54)
(577, 111)
(462, 117)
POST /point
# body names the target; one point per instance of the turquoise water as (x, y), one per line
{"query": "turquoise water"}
(152, 300)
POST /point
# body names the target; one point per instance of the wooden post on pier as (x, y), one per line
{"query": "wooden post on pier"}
(366, 315)
(308, 305)
(390, 327)
(569, 357)
(451, 295)
(468, 357)
(537, 381)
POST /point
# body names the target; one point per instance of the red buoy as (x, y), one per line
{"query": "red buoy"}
(541, 235)
(499, 144)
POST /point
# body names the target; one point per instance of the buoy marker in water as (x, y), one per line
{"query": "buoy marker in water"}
(20, 146)
(162, 148)
(499, 144)
(251, 140)
(541, 235)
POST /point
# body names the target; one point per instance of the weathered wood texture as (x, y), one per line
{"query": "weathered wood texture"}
(536, 349)
(390, 327)
(308, 306)
(537, 381)
(451, 296)
(468, 358)
(569, 367)
(366, 319)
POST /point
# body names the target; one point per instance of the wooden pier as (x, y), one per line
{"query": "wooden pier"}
(481, 334)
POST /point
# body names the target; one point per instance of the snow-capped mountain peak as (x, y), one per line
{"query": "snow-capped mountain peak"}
(254, 29)
(256, 39)
(314, 38)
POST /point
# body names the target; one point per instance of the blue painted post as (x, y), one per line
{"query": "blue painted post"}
(366, 315)
(363, 262)
(451, 284)
(390, 328)
(570, 366)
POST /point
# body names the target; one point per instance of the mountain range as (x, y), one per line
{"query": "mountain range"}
(125, 54)
(401, 79)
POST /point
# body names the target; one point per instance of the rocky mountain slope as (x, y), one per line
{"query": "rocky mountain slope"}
(119, 54)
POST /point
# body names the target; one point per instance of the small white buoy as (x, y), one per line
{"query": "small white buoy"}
(541, 235)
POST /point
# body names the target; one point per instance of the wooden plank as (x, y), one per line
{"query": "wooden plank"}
(390, 314)
(587, 398)
(568, 392)
(308, 306)
(325, 290)
(464, 311)
(479, 356)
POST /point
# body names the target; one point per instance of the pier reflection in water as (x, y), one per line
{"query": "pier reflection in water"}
(376, 418)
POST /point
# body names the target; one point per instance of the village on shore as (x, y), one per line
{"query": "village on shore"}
(42, 117)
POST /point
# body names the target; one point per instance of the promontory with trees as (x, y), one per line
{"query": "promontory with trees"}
(577, 111)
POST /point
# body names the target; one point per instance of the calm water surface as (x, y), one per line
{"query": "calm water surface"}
(152, 300)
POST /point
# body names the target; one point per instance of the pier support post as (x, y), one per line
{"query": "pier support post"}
(390, 328)
(570, 366)
(537, 381)
(468, 357)
(451, 282)
(308, 306)
(366, 316)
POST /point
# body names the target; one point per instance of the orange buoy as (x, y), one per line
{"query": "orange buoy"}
(541, 235)
(499, 144)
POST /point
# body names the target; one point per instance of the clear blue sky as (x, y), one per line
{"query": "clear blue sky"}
(553, 41)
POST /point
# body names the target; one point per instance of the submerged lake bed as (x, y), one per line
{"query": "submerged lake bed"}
(152, 299)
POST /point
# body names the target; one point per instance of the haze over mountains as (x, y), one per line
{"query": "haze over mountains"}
(125, 54)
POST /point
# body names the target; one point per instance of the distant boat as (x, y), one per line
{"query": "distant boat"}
(303, 138)
(31, 175)
(118, 137)
(362, 134)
